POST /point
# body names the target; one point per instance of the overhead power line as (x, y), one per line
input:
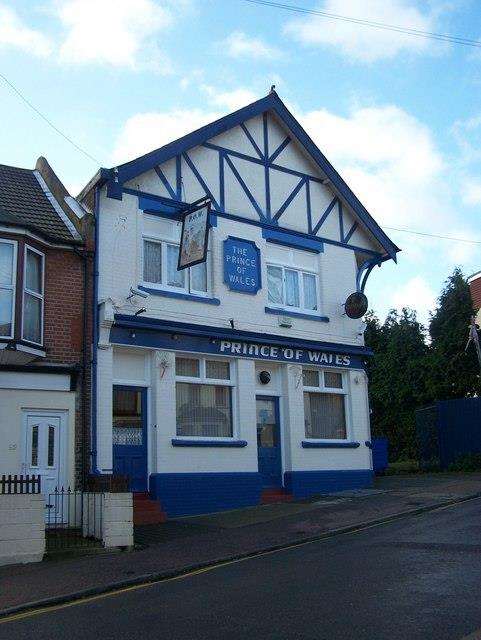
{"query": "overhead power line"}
(433, 235)
(49, 122)
(444, 37)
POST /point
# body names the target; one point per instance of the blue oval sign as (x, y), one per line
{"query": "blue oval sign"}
(242, 265)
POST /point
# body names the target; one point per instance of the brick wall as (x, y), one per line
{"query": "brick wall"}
(475, 286)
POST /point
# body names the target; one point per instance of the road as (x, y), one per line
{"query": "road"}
(415, 578)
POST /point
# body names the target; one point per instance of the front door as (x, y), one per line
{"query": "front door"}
(129, 435)
(43, 457)
(269, 441)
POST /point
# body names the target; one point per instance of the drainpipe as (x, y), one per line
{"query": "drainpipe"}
(95, 337)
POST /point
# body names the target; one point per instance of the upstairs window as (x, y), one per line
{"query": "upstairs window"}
(292, 288)
(8, 268)
(160, 269)
(324, 404)
(33, 295)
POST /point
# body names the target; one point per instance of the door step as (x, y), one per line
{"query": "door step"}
(271, 496)
(147, 511)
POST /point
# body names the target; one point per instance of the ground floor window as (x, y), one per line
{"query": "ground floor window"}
(203, 397)
(325, 405)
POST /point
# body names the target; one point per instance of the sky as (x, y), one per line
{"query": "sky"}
(398, 116)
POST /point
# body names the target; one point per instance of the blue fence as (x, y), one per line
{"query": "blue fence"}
(449, 430)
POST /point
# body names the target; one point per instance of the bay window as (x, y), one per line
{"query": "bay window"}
(33, 295)
(203, 397)
(325, 397)
(160, 259)
(8, 274)
(292, 288)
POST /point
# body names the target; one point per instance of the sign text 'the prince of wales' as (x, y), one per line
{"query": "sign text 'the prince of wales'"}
(242, 265)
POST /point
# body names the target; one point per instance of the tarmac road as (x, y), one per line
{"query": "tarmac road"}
(414, 578)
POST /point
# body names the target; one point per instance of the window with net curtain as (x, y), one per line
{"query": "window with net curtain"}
(160, 268)
(204, 408)
(7, 288)
(324, 411)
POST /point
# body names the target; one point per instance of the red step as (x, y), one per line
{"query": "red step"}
(147, 511)
(271, 496)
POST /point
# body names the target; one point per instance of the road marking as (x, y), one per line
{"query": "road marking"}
(108, 594)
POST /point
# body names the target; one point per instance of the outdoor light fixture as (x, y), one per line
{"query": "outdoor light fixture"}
(264, 377)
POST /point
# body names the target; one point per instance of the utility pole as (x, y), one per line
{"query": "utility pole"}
(473, 336)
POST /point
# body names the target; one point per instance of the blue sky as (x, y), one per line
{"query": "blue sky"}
(399, 116)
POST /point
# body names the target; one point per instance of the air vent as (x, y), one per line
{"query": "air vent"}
(285, 321)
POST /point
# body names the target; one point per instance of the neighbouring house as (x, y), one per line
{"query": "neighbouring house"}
(475, 288)
(241, 379)
(45, 328)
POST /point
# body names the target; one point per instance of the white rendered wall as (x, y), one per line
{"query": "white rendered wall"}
(22, 528)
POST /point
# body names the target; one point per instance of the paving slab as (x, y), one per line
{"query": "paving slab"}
(179, 545)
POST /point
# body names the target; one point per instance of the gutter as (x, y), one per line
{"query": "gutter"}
(95, 336)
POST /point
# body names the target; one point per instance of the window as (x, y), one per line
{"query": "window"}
(33, 285)
(7, 287)
(160, 269)
(324, 405)
(204, 397)
(293, 288)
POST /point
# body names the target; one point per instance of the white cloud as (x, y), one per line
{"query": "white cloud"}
(240, 45)
(230, 100)
(362, 43)
(416, 294)
(471, 192)
(144, 132)
(119, 33)
(15, 34)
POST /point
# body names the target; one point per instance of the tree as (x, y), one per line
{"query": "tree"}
(397, 378)
(453, 372)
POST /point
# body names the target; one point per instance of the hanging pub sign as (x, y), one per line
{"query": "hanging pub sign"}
(195, 235)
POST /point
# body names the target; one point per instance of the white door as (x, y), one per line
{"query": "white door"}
(43, 457)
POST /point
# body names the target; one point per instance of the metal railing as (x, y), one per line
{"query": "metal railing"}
(14, 484)
(73, 519)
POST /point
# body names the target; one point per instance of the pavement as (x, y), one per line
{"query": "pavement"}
(416, 577)
(185, 544)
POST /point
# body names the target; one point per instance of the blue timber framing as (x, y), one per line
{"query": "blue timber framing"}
(271, 103)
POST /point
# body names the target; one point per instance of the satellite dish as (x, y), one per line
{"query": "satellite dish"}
(356, 305)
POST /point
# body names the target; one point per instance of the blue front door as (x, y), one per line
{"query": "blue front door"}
(129, 435)
(269, 441)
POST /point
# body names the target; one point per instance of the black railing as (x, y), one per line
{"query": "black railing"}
(13, 484)
(74, 519)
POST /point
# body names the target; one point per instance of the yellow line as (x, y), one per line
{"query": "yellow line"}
(46, 609)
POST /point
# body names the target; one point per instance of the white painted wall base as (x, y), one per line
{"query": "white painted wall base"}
(117, 520)
(22, 528)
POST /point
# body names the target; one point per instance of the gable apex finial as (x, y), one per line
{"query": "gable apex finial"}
(273, 88)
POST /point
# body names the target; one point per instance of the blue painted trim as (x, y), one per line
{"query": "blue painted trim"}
(221, 182)
(348, 235)
(272, 102)
(154, 197)
(165, 182)
(262, 224)
(303, 484)
(279, 149)
(308, 206)
(266, 166)
(178, 176)
(201, 180)
(310, 244)
(168, 326)
(295, 314)
(183, 494)
(245, 188)
(251, 140)
(368, 444)
(309, 444)
(180, 296)
(178, 442)
(341, 222)
(324, 216)
(289, 199)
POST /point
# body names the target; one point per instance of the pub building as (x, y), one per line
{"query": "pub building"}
(240, 379)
